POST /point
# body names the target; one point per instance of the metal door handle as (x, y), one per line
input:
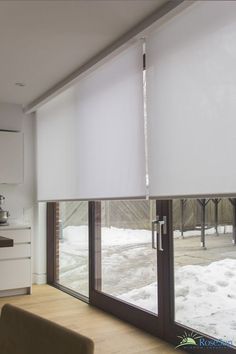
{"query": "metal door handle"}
(162, 231)
(154, 222)
(160, 248)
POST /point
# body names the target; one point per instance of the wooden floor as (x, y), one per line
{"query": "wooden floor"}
(109, 334)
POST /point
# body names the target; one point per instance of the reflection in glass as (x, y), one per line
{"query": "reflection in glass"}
(128, 261)
(205, 266)
(73, 246)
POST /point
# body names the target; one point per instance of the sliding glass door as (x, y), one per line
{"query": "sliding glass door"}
(166, 266)
(202, 268)
(127, 262)
(70, 239)
(128, 257)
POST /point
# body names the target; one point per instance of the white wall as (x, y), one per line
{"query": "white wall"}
(21, 198)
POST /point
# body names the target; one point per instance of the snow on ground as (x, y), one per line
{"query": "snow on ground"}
(205, 295)
(114, 236)
(222, 229)
(205, 298)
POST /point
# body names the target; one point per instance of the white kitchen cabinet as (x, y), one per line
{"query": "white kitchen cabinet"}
(14, 274)
(11, 117)
(12, 157)
(15, 262)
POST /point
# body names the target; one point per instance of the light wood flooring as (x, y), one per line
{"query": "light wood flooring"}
(111, 336)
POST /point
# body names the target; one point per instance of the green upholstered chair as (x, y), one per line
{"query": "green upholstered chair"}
(22, 332)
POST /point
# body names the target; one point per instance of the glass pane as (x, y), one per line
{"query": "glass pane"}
(73, 246)
(205, 266)
(128, 262)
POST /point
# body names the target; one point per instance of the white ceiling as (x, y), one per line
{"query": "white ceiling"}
(41, 42)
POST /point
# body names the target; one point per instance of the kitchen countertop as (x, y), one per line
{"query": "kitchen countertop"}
(13, 227)
(6, 242)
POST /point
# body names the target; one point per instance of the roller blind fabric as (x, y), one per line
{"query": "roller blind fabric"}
(191, 91)
(90, 138)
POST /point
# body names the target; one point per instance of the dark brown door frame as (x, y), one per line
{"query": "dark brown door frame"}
(51, 243)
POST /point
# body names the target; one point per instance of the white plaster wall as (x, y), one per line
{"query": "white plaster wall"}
(21, 198)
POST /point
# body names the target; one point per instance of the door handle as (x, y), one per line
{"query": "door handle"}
(154, 222)
(161, 224)
(162, 231)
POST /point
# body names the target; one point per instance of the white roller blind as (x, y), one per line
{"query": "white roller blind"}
(91, 137)
(56, 148)
(191, 85)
